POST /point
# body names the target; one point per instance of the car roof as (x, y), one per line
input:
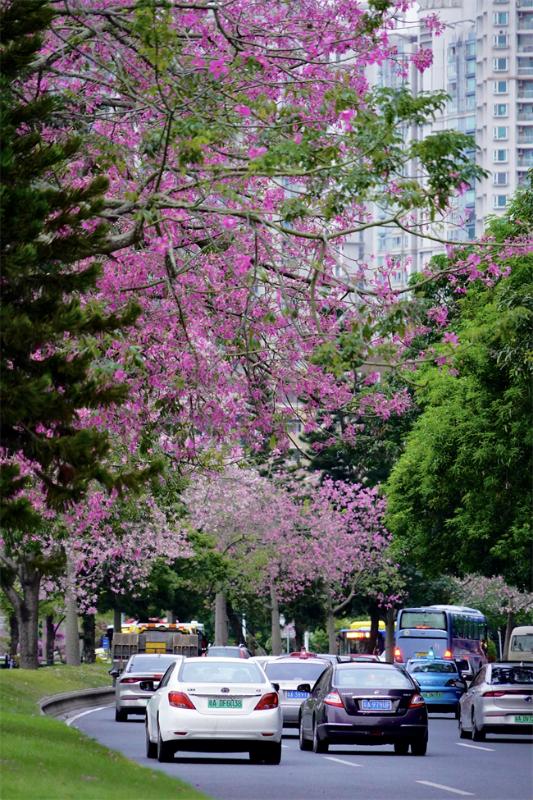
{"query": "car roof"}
(215, 659)
(156, 655)
(432, 661)
(307, 659)
(368, 665)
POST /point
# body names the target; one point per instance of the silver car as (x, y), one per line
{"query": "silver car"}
(499, 700)
(137, 683)
(288, 672)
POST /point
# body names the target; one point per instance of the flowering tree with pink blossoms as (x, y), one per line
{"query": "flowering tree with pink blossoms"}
(242, 145)
(496, 598)
(347, 544)
(257, 525)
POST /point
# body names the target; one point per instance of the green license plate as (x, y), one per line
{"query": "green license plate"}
(224, 702)
(431, 694)
(524, 718)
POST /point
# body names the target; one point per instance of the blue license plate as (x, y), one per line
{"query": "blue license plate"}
(376, 705)
(292, 694)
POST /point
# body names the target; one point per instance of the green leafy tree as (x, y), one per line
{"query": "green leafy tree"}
(459, 497)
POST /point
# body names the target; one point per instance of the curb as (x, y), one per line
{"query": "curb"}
(60, 705)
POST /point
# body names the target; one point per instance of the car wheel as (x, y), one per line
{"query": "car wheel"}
(478, 734)
(302, 741)
(419, 747)
(151, 747)
(121, 715)
(272, 753)
(165, 751)
(462, 733)
(319, 745)
(401, 748)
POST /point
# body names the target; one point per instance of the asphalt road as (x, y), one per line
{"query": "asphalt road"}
(501, 768)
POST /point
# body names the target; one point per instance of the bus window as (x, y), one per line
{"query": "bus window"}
(433, 620)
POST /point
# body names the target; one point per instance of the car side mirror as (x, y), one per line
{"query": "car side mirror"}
(304, 687)
(275, 685)
(114, 672)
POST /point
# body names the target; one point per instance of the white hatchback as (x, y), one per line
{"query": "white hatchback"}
(218, 705)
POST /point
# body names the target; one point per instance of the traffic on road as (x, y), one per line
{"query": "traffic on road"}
(358, 723)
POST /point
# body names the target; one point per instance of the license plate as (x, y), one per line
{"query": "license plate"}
(376, 705)
(292, 694)
(528, 718)
(422, 654)
(432, 694)
(224, 702)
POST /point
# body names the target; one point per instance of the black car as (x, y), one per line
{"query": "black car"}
(364, 703)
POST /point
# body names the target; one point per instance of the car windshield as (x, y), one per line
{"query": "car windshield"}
(233, 652)
(517, 674)
(522, 643)
(158, 664)
(221, 672)
(295, 671)
(370, 678)
(432, 667)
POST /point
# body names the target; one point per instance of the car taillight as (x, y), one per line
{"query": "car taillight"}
(130, 680)
(417, 701)
(398, 654)
(447, 654)
(493, 694)
(333, 699)
(180, 700)
(268, 701)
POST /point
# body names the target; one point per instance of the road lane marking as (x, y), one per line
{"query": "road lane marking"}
(447, 788)
(84, 713)
(476, 747)
(342, 761)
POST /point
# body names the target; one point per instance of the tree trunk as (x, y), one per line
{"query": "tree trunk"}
(275, 630)
(389, 635)
(374, 630)
(508, 630)
(72, 635)
(50, 639)
(13, 635)
(117, 621)
(330, 627)
(221, 619)
(89, 636)
(26, 607)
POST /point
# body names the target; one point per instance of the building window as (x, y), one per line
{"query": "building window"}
(500, 156)
(471, 49)
(470, 85)
(501, 132)
(500, 64)
(470, 103)
(500, 178)
(501, 18)
(501, 110)
(500, 41)
(499, 201)
(500, 87)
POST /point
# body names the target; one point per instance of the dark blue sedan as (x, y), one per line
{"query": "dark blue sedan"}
(440, 682)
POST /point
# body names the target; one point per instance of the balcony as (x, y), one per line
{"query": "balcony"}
(526, 161)
(525, 3)
(524, 22)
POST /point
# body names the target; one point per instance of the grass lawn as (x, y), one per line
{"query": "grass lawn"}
(42, 759)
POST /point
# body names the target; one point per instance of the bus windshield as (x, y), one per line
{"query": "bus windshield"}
(434, 620)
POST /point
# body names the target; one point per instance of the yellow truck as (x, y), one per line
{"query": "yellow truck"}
(153, 637)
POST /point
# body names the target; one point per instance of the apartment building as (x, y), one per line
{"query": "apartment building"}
(484, 60)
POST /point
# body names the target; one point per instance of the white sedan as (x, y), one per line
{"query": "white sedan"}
(215, 704)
